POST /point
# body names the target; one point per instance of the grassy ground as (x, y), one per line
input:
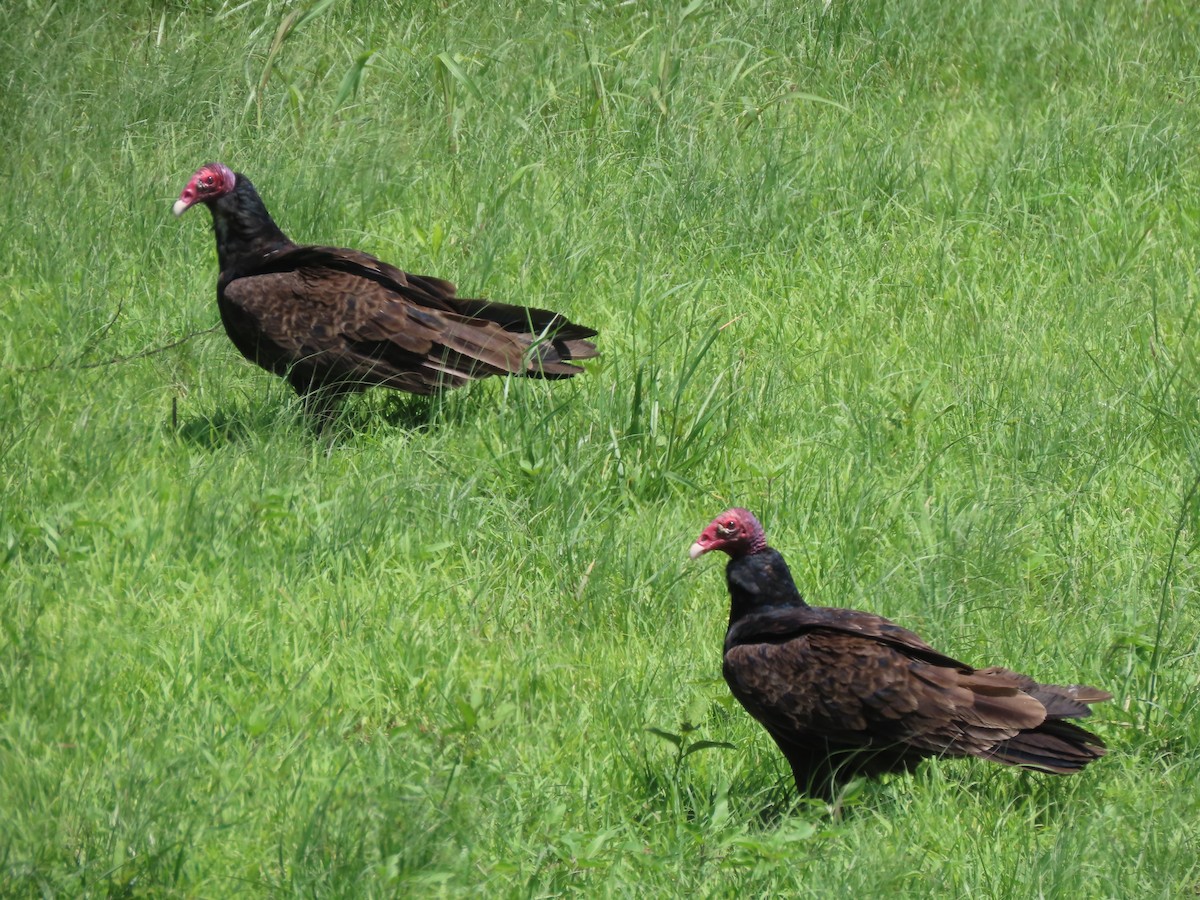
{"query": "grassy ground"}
(915, 282)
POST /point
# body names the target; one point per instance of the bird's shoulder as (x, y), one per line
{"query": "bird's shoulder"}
(841, 674)
(318, 272)
(835, 684)
(781, 625)
(328, 291)
(800, 643)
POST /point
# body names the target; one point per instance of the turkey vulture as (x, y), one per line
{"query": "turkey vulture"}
(847, 693)
(335, 321)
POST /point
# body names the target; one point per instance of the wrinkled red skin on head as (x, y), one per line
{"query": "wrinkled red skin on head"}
(211, 181)
(735, 531)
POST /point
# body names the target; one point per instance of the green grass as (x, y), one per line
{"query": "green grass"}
(915, 282)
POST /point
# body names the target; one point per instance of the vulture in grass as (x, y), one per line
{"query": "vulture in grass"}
(847, 693)
(334, 322)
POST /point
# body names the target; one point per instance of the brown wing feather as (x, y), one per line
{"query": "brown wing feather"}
(326, 316)
(773, 626)
(864, 697)
(852, 689)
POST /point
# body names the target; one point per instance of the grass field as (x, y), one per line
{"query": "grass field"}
(917, 283)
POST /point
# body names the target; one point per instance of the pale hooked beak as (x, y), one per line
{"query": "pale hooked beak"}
(697, 550)
(181, 206)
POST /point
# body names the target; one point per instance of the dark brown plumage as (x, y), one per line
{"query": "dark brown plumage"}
(336, 321)
(847, 693)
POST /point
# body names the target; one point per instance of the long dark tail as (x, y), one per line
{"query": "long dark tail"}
(1056, 746)
(555, 341)
(1059, 748)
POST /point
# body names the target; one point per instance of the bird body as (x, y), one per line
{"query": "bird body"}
(335, 321)
(846, 693)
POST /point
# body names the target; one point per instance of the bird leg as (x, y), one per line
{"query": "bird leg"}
(321, 401)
